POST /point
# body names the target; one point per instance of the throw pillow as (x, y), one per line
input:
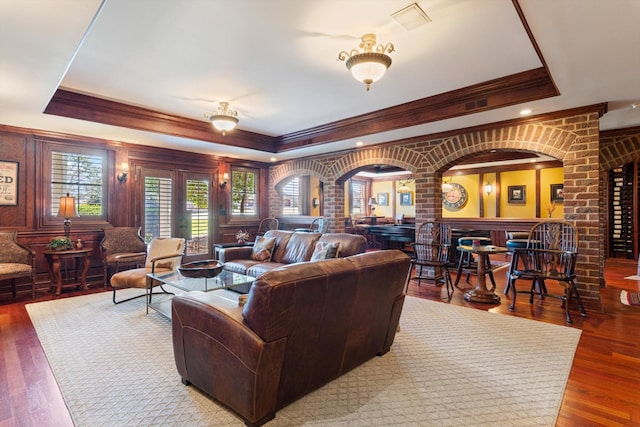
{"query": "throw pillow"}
(325, 250)
(263, 248)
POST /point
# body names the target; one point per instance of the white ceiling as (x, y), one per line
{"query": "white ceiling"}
(276, 61)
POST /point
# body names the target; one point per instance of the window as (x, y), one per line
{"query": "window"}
(357, 192)
(244, 195)
(157, 207)
(80, 172)
(291, 198)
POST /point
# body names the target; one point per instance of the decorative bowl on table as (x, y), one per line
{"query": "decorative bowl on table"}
(201, 269)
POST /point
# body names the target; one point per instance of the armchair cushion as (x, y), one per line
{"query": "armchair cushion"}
(159, 247)
(11, 269)
(263, 248)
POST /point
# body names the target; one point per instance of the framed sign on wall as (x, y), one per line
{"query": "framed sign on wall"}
(8, 183)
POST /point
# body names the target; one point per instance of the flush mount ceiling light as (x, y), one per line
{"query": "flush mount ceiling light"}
(368, 66)
(225, 119)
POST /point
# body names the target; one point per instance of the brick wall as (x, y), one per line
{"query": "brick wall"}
(573, 139)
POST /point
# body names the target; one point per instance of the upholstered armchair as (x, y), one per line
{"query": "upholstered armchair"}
(16, 261)
(163, 255)
(122, 247)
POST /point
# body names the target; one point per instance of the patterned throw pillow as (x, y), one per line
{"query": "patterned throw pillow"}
(263, 248)
(325, 250)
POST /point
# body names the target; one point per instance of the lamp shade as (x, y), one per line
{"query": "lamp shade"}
(224, 119)
(67, 207)
(372, 201)
(368, 67)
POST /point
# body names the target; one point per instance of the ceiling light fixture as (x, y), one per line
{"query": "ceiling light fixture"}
(225, 119)
(446, 185)
(368, 66)
(404, 186)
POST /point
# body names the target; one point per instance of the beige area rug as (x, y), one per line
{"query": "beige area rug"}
(449, 366)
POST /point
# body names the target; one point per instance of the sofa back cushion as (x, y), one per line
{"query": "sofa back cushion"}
(288, 297)
(300, 247)
(350, 244)
(334, 314)
(282, 238)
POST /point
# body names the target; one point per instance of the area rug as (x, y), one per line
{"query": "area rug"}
(449, 366)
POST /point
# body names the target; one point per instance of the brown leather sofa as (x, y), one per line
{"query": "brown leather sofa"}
(291, 247)
(303, 326)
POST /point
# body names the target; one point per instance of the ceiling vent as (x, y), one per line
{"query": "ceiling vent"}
(411, 17)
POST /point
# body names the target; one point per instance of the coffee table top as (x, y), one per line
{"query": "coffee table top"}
(225, 280)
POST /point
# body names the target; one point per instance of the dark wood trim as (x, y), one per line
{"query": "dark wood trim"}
(85, 107)
(514, 89)
(625, 132)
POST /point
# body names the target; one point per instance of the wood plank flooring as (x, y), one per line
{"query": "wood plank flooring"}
(603, 387)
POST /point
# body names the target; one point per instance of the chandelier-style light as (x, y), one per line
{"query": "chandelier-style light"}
(446, 185)
(225, 119)
(404, 186)
(368, 66)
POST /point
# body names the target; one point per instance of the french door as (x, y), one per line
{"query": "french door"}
(177, 204)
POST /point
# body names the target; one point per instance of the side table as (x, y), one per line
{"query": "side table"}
(53, 263)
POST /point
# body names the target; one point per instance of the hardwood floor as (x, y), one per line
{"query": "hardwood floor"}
(603, 387)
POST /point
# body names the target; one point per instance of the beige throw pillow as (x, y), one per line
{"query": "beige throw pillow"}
(263, 248)
(325, 250)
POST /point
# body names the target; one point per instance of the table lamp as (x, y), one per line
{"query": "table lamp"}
(67, 210)
(372, 205)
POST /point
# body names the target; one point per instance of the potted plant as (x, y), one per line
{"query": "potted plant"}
(60, 243)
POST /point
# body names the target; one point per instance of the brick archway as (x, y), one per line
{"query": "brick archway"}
(573, 139)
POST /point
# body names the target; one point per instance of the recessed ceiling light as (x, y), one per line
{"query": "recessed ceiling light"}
(525, 112)
(273, 159)
(634, 106)
(359, 143)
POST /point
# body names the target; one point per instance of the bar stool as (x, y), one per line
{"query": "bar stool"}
(466, 262)
(515, 241)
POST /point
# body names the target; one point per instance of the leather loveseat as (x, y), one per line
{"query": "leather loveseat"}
(290, 248)
(302, 326)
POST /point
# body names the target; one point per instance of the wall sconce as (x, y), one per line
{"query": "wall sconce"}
(225, 180)
(122, 176)
(315, 202)
(488, 188)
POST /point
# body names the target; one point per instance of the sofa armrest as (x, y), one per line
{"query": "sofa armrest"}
(229, 254)
(222, 356)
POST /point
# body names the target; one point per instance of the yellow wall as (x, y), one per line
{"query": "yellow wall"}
(471, 209)
(489, 200)
(526, 178)
(378, 187)
(406, 210)
(548, 177)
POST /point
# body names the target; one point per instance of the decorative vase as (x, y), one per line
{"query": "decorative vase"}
(79, 244)
(241, 242)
